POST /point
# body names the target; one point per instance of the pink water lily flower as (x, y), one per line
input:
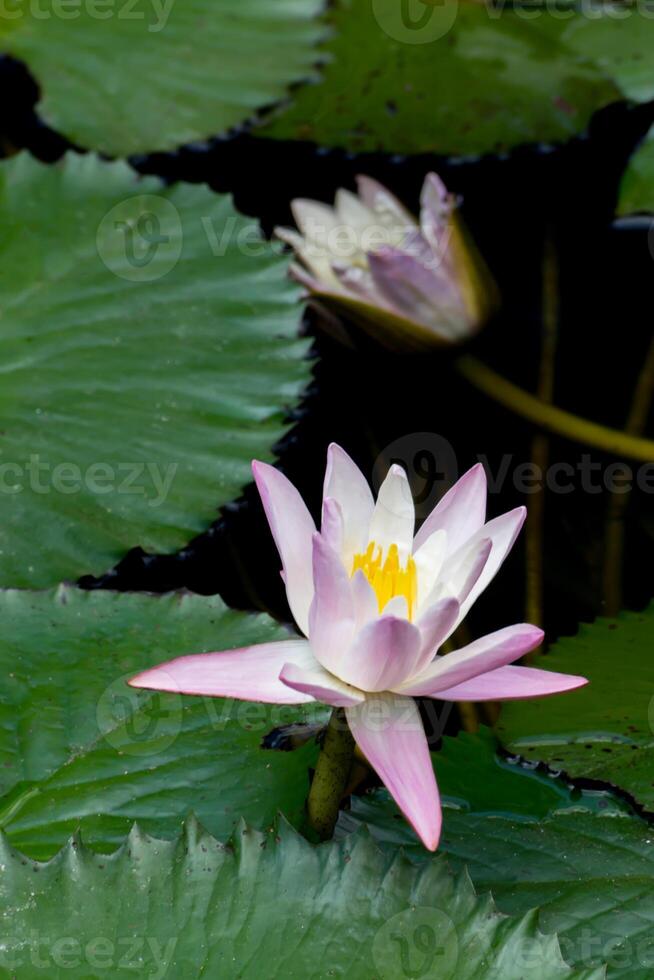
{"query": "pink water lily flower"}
(409, 282)
(375, 603)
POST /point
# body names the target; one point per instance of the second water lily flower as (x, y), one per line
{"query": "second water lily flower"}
(409, 283)
(375, 604)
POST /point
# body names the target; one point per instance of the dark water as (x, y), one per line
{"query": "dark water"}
(379, 405)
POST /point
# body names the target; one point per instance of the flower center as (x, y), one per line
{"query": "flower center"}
(388, 578)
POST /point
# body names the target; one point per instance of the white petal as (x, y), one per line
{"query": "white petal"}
(385, 205)
(397, 606)
(393, 519)
(502, 532)
(353, 212)
(429, 560)
(315, 220)
(461, 512)
(346, 484)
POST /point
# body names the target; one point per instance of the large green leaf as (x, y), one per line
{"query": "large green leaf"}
(620, 40)
(266, 905)
(587, 864)
(604, 730)
(446, 78)
(132, 76)
(590, 875)
(148, 351)
(473, 776)
(637, 187)
(78, 748)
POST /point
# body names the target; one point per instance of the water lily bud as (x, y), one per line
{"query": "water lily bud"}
(410, 284)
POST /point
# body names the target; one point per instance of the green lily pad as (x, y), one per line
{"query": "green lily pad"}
(148, 351)
(637, 187)
(473, 776)
(603, 731)
(620, 41)
(445, 78)
(80, 749)
(263, 905)
(583, 860)
(135, 76)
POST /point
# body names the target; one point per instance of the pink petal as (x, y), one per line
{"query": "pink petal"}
(249, 673)
(357, 281)
(366, 607)
(424, 295)
(429, 559)
(321, 685)
(346, 484)
(462, 573)
(511, 684)
(332, 528)
(292, 528)
(382, 655)
(461, 512)
(486, 654)
(393, 519)
(435, 216)
(502, 531)
(389, 732)
(435, 625)
(332, 614)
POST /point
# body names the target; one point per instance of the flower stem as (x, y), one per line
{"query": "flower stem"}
(540, 448)
(550, 417)
(331, 776)
(615, 530)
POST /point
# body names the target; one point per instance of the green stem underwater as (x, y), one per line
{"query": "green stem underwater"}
(331, 776)
(540, 443)
(550, 417)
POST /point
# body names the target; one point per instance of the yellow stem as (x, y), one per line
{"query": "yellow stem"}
(550, 417)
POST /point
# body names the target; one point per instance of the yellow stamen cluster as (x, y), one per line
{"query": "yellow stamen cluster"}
(388, 578)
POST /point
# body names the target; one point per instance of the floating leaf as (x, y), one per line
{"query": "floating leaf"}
(620, 42)
(444, 78)
(602, 731)
(79, 748)
(134, 76)
(637, 188)
(473, 776)
(148, 351)
(264, 905)
(587, 864)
